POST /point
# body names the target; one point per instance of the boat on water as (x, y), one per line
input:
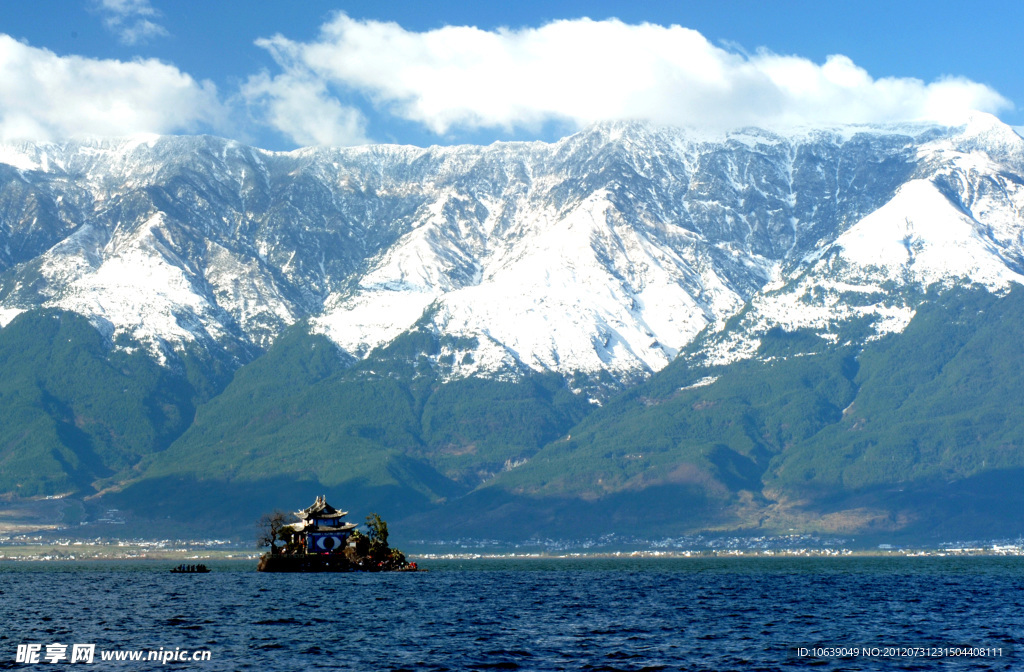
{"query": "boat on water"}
(190, 569)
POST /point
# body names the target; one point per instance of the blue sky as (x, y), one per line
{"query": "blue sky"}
(281, 75)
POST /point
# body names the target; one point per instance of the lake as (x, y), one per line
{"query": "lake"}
(851, 613)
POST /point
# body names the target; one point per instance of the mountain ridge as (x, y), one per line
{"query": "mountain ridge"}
(441, 327)
(669, 226)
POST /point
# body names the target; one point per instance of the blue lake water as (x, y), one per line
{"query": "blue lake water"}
(595, 614)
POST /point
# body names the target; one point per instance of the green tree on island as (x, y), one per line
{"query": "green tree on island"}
(378, 552)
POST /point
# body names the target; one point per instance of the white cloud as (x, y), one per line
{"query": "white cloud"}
(301, 108)
(580, 71)
(44, 96)
(131, 20)
(128, 7)
(139, 31)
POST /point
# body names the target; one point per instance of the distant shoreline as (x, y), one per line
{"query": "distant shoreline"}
(124, 552)
(709, 554)
(132, 552)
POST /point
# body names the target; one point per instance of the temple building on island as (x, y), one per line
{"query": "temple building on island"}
(321, 541)
(321, 528)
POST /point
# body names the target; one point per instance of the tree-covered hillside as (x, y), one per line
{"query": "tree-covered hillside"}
(387, 431)
(76, 415)
(817, 436)
(916, 433)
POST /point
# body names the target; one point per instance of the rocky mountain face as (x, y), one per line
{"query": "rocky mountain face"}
(601, 258)
(605, 252)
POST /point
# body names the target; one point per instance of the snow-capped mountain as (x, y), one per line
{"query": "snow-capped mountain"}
(607, 251)
(957, 219)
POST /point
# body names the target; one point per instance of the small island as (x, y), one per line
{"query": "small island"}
(319, 540)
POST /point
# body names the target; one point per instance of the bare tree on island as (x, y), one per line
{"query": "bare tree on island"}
(273, 527)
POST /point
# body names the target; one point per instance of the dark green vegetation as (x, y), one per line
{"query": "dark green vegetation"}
(75, 414)
(901, 435)
(386, 431)
(916, 434)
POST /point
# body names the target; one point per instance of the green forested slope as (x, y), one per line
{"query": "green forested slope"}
(942, 401)
(74, 414)
(386, 431)
(918, 432)
(892, 432)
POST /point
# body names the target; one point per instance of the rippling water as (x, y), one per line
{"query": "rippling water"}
(685, 614)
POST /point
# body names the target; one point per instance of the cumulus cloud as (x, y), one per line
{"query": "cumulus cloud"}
(44, 96)
(300, 107)
(577, 71)
(132, 20)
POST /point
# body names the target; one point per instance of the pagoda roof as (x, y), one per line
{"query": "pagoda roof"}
(340, 528)
(309, 526)
(320, 509)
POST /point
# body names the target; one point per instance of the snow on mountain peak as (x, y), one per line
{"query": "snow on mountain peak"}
(563, 291)
(607, 251)
(922, 233)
